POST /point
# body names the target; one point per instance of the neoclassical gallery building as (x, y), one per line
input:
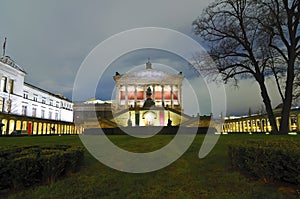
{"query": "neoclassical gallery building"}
(150, 96)
(147, 97)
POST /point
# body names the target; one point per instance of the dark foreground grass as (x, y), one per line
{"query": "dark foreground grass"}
(188, 177)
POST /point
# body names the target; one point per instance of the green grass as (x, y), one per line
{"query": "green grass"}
(188, 177)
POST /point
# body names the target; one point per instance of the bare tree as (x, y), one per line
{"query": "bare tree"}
(281, 20)
(237, 44)
(246, 39)
(296, 86)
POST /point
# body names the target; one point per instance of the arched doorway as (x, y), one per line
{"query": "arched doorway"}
(149, 116)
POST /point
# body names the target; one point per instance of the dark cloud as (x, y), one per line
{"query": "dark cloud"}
(50, 39)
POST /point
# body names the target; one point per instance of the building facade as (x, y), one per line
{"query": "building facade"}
(24, 101)
(39, 103)
(131, 88)
(259, 123)
(147, 97)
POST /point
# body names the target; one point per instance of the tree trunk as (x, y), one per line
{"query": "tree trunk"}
(286, 108)
(267, 102)
(290, 40)
(285, 116)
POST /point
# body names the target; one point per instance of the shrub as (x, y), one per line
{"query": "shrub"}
(73, 159)
(52, 166)
(28, 165)
(25, 171)
(271, 160)
(4, 174)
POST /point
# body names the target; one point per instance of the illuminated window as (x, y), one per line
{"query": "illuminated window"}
(293, 120)
(3, 84)
(33, 112)
(293, 123)
(24, 110)
(1, 104)
(42, 113)
(10, 86)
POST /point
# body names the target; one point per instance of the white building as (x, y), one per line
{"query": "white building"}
(165, 88)
(20, 98)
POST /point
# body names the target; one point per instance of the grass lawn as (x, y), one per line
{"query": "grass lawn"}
(188, 177)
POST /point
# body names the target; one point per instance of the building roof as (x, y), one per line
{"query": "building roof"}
(96, 101)
(149, 76)
(42, 90)
(8, 61)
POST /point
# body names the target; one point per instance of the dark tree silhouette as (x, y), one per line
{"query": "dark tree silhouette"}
(281, 20)
(254, 39)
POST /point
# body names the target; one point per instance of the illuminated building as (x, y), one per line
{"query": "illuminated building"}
(259, 123)
(151, 97)
(147, 97)
(27, 108)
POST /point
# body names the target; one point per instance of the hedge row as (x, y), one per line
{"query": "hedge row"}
(270, 160)
(23, 166)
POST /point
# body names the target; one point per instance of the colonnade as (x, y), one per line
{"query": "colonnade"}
(35, 126)
(258, 124)
(135, 95)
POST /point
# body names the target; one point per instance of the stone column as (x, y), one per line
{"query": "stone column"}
(179, 95)
(172, 97)
(162, 96)
(118, 96)
(145, 87)
(135, 95)
(1, 81)
(262, 126)
(153, 91)
(7, 127)
(126, 96)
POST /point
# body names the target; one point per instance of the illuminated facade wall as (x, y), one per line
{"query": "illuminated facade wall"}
(128, 107)
(155, 117)
(131, 94)
(20, 98)
(135, 95)
(260, 123)
(131, 88)
(39, 103)
(11, 86)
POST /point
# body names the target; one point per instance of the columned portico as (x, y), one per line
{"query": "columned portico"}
(131, 90)
(165, 94)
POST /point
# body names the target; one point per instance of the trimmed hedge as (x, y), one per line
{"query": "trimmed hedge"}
(270, 160)
(23, 166)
